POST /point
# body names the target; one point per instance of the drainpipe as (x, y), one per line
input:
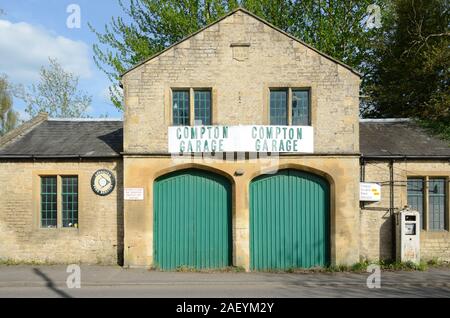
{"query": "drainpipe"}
(391, 207)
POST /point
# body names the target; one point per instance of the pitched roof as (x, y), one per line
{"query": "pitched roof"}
(104, 139)
(240, 9)
(390, 138)
(68, 138)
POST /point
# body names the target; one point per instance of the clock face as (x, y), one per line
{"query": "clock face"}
(103, 182)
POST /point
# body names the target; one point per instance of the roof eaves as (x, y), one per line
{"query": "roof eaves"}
(85, 119)
(386, 120)
(403, 157)
(12, 156)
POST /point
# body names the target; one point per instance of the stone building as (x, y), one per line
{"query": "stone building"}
(240, 146)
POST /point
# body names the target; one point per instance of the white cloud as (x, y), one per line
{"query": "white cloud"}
(24, 48)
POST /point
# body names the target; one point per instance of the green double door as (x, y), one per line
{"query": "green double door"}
(289, 221)
(192, 220)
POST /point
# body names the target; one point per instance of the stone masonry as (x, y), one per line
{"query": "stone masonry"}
(240, 58)
(240, 86)
(376, 220)
(99, 238)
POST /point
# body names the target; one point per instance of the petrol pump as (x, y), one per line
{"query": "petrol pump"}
(408, 236)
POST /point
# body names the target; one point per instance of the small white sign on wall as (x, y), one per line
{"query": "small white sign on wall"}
(134, 194)
(369, 192)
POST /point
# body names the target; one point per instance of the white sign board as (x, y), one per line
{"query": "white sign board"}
(369, 192)
(207, 139)
(134, 194)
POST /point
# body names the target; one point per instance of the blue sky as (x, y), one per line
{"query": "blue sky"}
(33, 30)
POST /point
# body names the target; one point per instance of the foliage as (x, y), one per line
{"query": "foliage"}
(13, 262)
(436, 262)
(8, 117)
(362, 266)
(439, 127)
(148, 26)
(57, 94)
(411, 65)
(384, 265)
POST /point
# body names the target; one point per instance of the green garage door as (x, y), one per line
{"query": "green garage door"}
(192, 220)
(289, 221)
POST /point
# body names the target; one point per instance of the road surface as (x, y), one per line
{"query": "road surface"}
(105, 281)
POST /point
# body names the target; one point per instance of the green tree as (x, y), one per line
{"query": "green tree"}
(57, 94)
(411, 65)
(148, 26)
(8, 117)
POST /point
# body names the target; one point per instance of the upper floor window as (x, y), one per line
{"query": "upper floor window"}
(202, 100)
(278, 107)
(300, 108)
(180, 108)
(185, 113)
(290, 107)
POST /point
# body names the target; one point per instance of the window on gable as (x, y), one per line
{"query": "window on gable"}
(300, 108)
(183, 115)
(180, 108)
(290, 107)
(278, 107)
(202, 104)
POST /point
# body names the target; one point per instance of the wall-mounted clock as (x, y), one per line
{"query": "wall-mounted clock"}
(103, 182)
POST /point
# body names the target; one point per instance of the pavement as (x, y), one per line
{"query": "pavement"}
(111, 281)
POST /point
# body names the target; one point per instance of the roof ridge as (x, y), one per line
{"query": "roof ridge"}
(86, 119)
(23, 129)
(386, 120)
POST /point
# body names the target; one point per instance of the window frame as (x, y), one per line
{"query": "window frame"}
(308, 90)
(191, 95)
(189, 112)
(37, 221)
(426, 198)
(194, 91)
(445, 196)
(46, 193)
(62, 196)
(290, 93)
(287, 107)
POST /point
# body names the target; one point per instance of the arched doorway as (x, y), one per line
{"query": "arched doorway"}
(289, 221)
(192, 220)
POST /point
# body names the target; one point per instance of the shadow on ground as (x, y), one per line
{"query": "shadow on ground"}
(50, 284)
